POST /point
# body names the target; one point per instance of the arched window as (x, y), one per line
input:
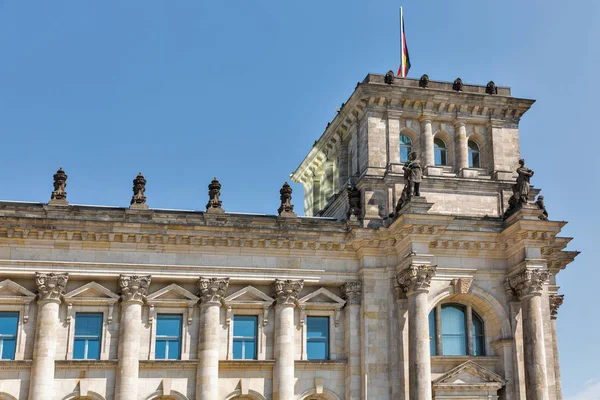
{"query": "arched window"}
(474, 160)
(405, 148)
(454, 331)
(440, 152)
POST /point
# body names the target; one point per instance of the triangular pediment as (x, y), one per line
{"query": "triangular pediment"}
(172, 294)
(14, 291)
(249, 296)
(322, 298)
(469, 374)
(91, 291)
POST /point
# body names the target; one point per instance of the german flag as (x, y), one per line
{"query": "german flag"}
(404, 58)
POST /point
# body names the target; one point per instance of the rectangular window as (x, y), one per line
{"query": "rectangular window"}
(317, 338)
(244, 337)
(9, 322)
(168, 336)
(88, 333)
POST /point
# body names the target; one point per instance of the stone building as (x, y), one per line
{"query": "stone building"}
(376, 293)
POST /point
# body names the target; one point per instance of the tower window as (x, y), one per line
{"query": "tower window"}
(440, 152)
(474, 160)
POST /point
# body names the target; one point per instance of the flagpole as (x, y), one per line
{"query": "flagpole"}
(401, 45)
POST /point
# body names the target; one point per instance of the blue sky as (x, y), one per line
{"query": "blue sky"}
(187, 90)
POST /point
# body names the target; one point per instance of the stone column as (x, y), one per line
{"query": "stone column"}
(527, 286)
(211, 292)
(414, 282)
(133, 294)
(286, 296)
(428, 154)
(352, 293)
(556, 301)
(462, 149)
(50, 289)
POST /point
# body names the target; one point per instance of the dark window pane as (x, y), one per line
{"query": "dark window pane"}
(432, 338)
(245, 325)
(405, 147)
(249, 350)
(317, 327)
(454, 341)
(317, 350)
(168, 336)
(93, 350)
(317, 347)
(168, 325)
(88, 324)
(174, 351)
(160, 350)
(238, 350)
(8, 323)
(79, 349)
(478, 336)
(9, 347)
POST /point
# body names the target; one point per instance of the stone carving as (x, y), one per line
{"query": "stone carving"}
(528, 282)
(287, 290)
(214, 191)
(212, 290)
(353, 203)
(413, 175)
(352, 292)
(491, 88)
(50, 286)
(457, 85)
(59, 195)
(138, 200)
(556, 301)
(415, 278)
(286, 209)
(424, 81)
(389, 77)
(520, 189)
(540, 203)
(462, 285)
(134, 287)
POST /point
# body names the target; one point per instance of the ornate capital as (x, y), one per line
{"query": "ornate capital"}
(527, 283)
(51, 286)
(556, 301)
(287, 290)
(134, 287)
(415, 278)
(212, 290)
(352, 292)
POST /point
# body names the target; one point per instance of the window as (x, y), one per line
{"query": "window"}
(244, 337)
(405, 148)
(440, 152)
(8, 334)
(88, 332)
(168, 336)
(454, 331)
(474, 161)
(317, 338)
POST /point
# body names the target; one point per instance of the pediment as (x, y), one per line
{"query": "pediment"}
(249, 296)
(91, 292)
(172, 295)
(322, 298)
(12, 291)
(469, 374)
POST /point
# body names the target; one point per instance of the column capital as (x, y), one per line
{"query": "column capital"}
(459, 122)
(415, 278)
(287, 290)
(212, 290)
(352, 292)
(556, 301)
(134, 287)
(425, 118)
(529, 282)
(51, 286)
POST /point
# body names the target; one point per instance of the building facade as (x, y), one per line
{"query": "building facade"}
(377, 293)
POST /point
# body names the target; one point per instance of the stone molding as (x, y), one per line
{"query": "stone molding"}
(51, 286)
(529, 282)
(286, 291)
(134, 287)
(415, 278)
(352, 292)
(212, 290)
(556, 301)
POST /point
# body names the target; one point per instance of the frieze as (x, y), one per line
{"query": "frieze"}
(51, 286)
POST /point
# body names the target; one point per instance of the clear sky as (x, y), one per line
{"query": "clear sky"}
(187, 90)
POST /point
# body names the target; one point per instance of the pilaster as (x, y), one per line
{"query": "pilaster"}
(352, 293)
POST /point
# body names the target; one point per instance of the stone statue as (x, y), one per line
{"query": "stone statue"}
(353, 203)
(541, 206)
(389, 77)
(424, 81)
(214, 191)
(286, 209)
(523, 184)
(457, 85)
(413, 175)
(491, 88)
(138, 200)
(59, 195)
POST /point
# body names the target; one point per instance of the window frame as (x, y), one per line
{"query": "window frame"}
(168, 338)
(470, 152)
(470, 343)
(402, 145)
(328, 339)
(442, 150)
(244, 339)
(86, 341)
(18, 301)
(14, 337)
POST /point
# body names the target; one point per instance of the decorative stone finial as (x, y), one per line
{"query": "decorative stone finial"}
(212, 290)
(520, 189)
(286, 209)
(214, 191)
(287, 290)
(51, 286)
(540, 203)
(413, 175)
(134, 287)
(353, 203)
(457, 85)
(138, 200)
(59, 195)
(527, 283)
(389, 77)
(424, 81)
(352, 292)
(556, 301)
(491, 88)
(415, 278)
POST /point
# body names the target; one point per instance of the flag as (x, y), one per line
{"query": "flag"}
(404, 58)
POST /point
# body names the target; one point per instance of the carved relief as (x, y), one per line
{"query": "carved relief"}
(139, 188)
(51, 286)
(287, 290)
(462, 285)
(286, 209)
(214, 191)
(556, 301)
(212, 290)
(352, 292)
(528, 282)
(134, 287)
(59, 195)
(415, 278)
